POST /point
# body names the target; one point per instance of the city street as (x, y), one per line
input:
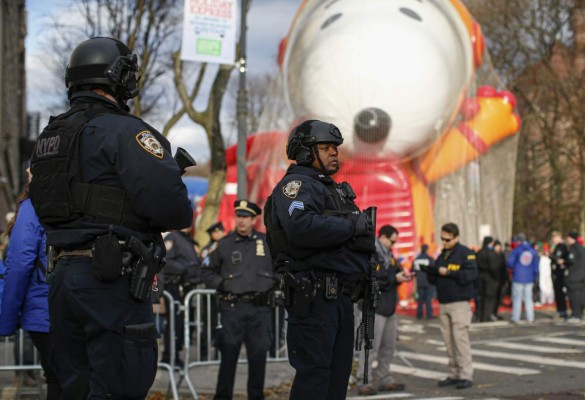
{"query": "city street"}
(544, 360)
(511, 361)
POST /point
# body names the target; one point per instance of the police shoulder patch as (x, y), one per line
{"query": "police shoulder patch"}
(291, 189)
(148, 142)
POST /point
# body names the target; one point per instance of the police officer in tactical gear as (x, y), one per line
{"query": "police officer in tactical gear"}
(321, 244)
(240, 268)
(104, 186)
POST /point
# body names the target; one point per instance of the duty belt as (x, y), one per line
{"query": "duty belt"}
(258, 298)
(351, 289)
(74, 253)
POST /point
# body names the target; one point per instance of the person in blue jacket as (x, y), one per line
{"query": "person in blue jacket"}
(25, 298)
(523, 261)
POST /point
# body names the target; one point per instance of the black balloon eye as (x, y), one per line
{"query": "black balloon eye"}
(409, 13)
(331, 20)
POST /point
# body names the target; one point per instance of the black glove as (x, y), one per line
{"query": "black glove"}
(361, 224)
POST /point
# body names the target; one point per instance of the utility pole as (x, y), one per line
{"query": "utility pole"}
(242, 106)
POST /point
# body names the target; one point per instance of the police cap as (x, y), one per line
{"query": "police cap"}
(245, 208)
(218, 226)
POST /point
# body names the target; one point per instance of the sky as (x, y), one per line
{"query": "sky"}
(268, 22)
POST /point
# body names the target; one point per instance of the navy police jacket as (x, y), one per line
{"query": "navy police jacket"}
(122, 151)
(239, 264)
(183, 265)
(303, 201)
(457, 285)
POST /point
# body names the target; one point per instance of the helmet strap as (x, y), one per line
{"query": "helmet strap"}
(316, 154)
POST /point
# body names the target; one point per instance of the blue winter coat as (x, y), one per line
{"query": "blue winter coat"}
(523, 261)
(25, 299)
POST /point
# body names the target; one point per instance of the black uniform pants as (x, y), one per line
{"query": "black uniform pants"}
(320, 349)
(41, 342)
(243, 323)
(576, 294)
(488, 294)
(560, 297)
(103, 341)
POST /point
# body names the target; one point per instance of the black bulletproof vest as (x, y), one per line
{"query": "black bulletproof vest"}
(56, 191)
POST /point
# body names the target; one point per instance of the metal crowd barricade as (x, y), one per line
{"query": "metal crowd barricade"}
(13, 359)
(199, 304)
(170, 366)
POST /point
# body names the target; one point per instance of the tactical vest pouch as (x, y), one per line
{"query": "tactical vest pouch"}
(107, 258)
(49, 189)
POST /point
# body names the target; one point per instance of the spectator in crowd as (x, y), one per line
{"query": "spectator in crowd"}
(425, 291)
(489, 279)
(181, 273)
(523, 261)
(25, 301)
(454, 272)
(389, 274)
(559, 254)
(547, 295)
(575, 277)
(504, 277)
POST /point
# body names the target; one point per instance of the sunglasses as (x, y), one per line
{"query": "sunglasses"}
(393, 241)
(447, 240)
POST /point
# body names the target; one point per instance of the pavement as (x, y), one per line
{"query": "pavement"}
(278, 377)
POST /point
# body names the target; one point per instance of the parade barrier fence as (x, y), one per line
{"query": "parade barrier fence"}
(200, 319)
(19, 355)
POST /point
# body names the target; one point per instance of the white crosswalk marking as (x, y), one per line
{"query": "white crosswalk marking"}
(531, 347)
(385, 396)
(558, 340)
(418, 372)
(476, 365)
(529, 358)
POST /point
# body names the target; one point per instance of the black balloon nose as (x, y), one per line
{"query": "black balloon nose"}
(372, 125)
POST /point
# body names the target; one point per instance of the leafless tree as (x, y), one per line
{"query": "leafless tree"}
(538, 47)
(148, 27)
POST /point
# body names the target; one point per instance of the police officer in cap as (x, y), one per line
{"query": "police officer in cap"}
(104, 186)
(240, 268)
(215, 231)
(321, 243)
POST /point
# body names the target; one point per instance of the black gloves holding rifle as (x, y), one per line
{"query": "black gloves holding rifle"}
(363, 239)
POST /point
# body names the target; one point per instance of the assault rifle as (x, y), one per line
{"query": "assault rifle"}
(365, 333)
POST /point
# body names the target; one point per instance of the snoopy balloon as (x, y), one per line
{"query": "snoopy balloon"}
(396, 76)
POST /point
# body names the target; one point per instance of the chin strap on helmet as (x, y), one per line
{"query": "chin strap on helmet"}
(321, 165)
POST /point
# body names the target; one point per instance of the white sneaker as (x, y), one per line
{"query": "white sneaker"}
(574, 320)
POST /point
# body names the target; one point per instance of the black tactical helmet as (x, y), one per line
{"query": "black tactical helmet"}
(306, 135)
(103, 61)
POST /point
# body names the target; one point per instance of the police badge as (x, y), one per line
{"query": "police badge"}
(148, 142)
(292, 189)
(260, 248)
